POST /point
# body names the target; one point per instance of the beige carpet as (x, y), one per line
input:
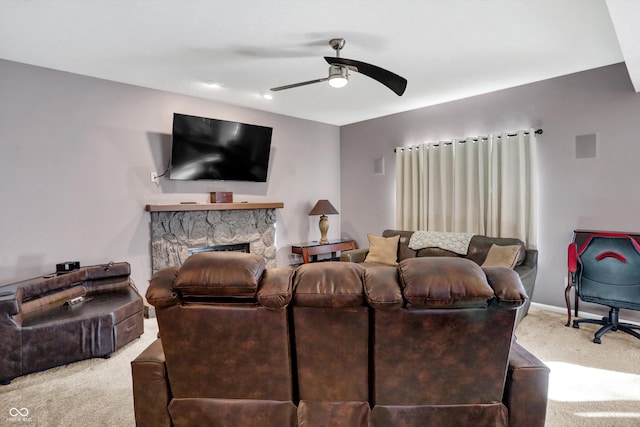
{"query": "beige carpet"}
(89, 393)
(591, 384)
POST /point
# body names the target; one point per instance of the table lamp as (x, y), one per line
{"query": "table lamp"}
(323, 208)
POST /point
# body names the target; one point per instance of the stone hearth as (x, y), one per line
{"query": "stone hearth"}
(173, 232)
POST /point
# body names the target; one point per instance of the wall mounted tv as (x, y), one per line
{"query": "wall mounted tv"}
(215, 149)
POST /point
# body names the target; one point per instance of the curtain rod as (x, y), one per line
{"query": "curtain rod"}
(537, 132)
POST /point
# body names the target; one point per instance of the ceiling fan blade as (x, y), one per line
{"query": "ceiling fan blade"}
(275, 89)
(391, 80)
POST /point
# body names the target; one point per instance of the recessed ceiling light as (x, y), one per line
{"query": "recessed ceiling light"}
(214, 85)
(267, 96)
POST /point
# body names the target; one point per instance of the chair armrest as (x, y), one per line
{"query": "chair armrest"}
(354, 255)
(151, 391)
(526, 388)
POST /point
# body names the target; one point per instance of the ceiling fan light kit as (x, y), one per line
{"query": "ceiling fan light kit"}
(339, 72)
(338, 76)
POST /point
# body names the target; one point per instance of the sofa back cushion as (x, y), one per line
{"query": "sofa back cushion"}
(232, 351)
(331, 332)
(478, 247)
(404, 251)
(49, 285)
(52, 300)
(220, 274)
(330, 284)
(444, 283)
(434, 252)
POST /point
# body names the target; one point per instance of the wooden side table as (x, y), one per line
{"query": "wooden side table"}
(311, 250)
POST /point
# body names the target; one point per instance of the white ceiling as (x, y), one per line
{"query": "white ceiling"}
(446, 50)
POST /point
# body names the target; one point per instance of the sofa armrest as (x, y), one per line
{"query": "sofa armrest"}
(10, 337)
(354, 255)
(160, 292)
(506, 285)
(526, 389)
(151, 391)
(527, 271)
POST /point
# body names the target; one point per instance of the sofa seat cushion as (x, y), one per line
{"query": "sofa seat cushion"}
(220, 274)
(117, 305)
(444, 283)
(96, 327)
(330, 284)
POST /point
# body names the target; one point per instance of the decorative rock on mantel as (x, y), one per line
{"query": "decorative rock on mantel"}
(177, 228)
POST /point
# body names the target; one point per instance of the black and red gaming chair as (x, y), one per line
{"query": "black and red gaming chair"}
(606, 270)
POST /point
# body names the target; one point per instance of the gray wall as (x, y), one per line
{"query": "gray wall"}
(76, 154)
(75, 163)
(599, 193)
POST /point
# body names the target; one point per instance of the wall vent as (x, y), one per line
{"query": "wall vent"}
(587, 146)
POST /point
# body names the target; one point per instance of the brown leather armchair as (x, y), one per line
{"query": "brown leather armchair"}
(427, 343)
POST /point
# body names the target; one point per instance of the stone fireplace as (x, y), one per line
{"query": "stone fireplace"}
(177, 229)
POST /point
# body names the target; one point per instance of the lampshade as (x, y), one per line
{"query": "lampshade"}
(323, 207)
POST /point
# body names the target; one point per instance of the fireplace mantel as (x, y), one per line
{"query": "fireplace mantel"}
(182, 207)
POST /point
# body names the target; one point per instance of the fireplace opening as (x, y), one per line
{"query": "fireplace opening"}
(235, 247)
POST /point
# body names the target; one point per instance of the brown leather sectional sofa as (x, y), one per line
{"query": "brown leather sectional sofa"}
(39, 329)
(337, 344)
(526, 263)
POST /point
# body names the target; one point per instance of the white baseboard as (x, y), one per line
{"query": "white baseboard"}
(586, 314)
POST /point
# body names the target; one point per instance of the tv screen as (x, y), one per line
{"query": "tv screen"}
(218, 150)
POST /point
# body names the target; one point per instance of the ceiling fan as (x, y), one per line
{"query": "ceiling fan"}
(339, 72)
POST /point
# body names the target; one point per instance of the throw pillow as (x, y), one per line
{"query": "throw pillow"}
(502, 256)
(383, 250)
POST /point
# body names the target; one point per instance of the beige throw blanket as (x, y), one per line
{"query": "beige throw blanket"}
(454, 242)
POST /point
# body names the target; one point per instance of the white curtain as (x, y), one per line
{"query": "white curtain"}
(484, 185)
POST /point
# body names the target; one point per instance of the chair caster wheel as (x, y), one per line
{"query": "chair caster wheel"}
(597, 341)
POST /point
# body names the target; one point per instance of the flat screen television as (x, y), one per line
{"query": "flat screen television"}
(213, 149)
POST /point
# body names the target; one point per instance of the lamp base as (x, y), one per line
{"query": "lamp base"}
(324, 227)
